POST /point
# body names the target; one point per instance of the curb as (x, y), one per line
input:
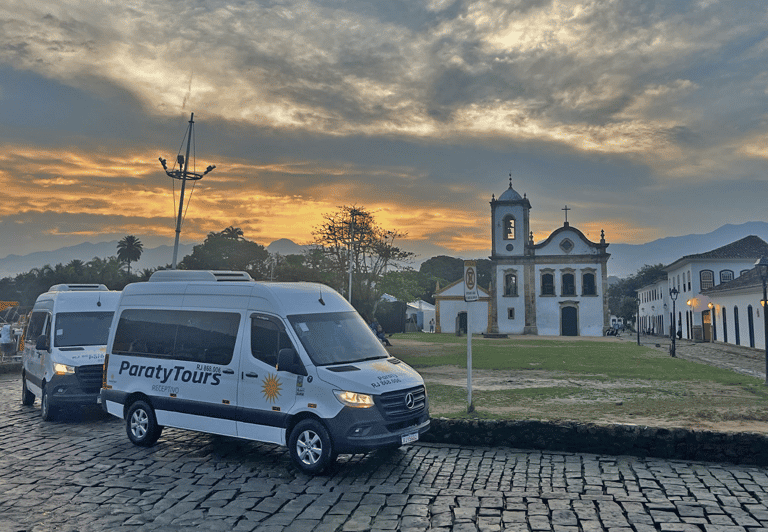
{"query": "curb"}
(632, 440)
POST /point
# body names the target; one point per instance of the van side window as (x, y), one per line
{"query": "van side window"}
(37, 326)
(268, 337)
(206, 337)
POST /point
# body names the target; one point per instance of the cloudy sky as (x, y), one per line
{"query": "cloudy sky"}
(648, 119)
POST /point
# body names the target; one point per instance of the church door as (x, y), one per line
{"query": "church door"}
(568, 321)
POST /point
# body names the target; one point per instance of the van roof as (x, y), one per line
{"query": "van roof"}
(199, 275)
(77, 288)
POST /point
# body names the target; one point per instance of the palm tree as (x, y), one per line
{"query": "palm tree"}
(129, 250)
(235, 233)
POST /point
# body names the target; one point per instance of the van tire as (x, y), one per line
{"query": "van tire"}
(141, 424)
(27, 397)
(47, 412)
(310, 446)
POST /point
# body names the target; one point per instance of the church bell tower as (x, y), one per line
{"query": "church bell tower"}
(510, 224)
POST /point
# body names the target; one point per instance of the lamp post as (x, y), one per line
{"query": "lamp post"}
(762, 270)
(637, 321)
(673, 295)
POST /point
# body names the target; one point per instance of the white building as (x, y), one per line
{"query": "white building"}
(694, 277)
(556, 287)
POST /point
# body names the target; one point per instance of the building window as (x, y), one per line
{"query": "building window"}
(588, 287)
(511, 313)
(510, 284)
(509, 228)
(725, 326)
(566, 245)
(742, 272)
(547, 284)
(569, 284)
(725, 276)
(706, 279)
(689, 281)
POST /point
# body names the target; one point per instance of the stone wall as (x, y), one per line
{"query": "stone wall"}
(633, 440)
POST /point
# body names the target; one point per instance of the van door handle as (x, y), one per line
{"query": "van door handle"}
(251, 374)
(229, 371)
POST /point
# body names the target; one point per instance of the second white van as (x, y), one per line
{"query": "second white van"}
(64, 346)
(286, 363)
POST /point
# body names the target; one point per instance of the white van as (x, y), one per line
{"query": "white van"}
(64, 346)
(286, 363)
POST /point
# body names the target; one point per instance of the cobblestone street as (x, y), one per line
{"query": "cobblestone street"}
(82, 474)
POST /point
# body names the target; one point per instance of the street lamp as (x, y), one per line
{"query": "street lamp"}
(637, 321)
(673, 295)
(762, 269)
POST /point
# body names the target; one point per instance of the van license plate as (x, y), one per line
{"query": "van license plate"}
(409, 438)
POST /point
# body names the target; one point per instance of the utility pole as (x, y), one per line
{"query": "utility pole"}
(184, 175)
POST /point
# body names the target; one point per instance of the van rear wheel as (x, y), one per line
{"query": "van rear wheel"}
(310, 446)
(27, 397)
(141, 424)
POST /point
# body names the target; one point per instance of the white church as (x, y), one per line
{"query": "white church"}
(558, 287)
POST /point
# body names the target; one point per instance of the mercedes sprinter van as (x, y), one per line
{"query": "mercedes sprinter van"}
(286, 363)
(64, 346)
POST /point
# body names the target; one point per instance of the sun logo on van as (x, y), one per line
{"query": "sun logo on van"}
(271, 388)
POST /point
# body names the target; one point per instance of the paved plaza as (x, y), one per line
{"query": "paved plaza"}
(81, 473)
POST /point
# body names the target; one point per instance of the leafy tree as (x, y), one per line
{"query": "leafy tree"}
(622, 295)
(352, 235)
(406, 285)
(235, 233)
(224, 251)
(446, 270)
(129, 249)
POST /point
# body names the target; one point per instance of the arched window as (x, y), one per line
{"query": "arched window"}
(510, 284)
(726, 275)
(547, 284)
(588, 287)
(509, 228)
(706, 279)
(569, 285)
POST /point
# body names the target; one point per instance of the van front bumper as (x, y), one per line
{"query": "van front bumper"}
(66, 390)
(359, 430)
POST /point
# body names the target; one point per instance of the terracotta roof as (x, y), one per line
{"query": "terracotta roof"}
(750, 279)
(749, 247)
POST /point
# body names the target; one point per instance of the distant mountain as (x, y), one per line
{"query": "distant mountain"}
(150, 258)
(627, 259)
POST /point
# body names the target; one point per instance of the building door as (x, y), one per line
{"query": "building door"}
(706, 321)
(569, 325)
(462, 323)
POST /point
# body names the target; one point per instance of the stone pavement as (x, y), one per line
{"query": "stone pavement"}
(744, 360)
(82, 474)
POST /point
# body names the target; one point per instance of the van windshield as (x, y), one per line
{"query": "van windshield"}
(81, 328)
(336, 338)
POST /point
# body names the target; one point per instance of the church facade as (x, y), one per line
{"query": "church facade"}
(558, 287)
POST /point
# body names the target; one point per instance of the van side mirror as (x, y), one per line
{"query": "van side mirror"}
(41, 343)
(288, 360)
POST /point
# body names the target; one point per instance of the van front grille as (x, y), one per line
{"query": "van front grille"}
(90, 377)
(402, 404)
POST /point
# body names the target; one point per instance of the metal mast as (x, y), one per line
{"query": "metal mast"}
(183, 174)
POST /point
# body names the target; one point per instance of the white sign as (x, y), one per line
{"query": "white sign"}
(470, 281)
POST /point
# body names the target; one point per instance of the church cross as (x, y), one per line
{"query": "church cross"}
(566, 209)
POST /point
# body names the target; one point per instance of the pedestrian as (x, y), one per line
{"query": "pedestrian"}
(432, 325)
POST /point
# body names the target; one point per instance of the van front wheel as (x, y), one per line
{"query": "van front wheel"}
(47, 412)
(310, 446)
(141, 424)
(27, 397)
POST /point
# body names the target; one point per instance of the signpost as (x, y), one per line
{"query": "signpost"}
(470, 295)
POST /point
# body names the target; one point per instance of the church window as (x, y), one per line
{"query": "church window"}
(588, 287)
(509, 228)
(707, 279)
(511, 313)
(547, 284)
(569, 285)
(726, 275)
(510, 284)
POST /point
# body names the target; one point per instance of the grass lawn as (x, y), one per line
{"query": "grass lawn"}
(599, 380)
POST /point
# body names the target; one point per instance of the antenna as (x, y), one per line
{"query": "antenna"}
(321, 296)
(183, 175)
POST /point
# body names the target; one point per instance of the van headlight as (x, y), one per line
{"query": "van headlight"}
(354, 400)
(63, 369)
